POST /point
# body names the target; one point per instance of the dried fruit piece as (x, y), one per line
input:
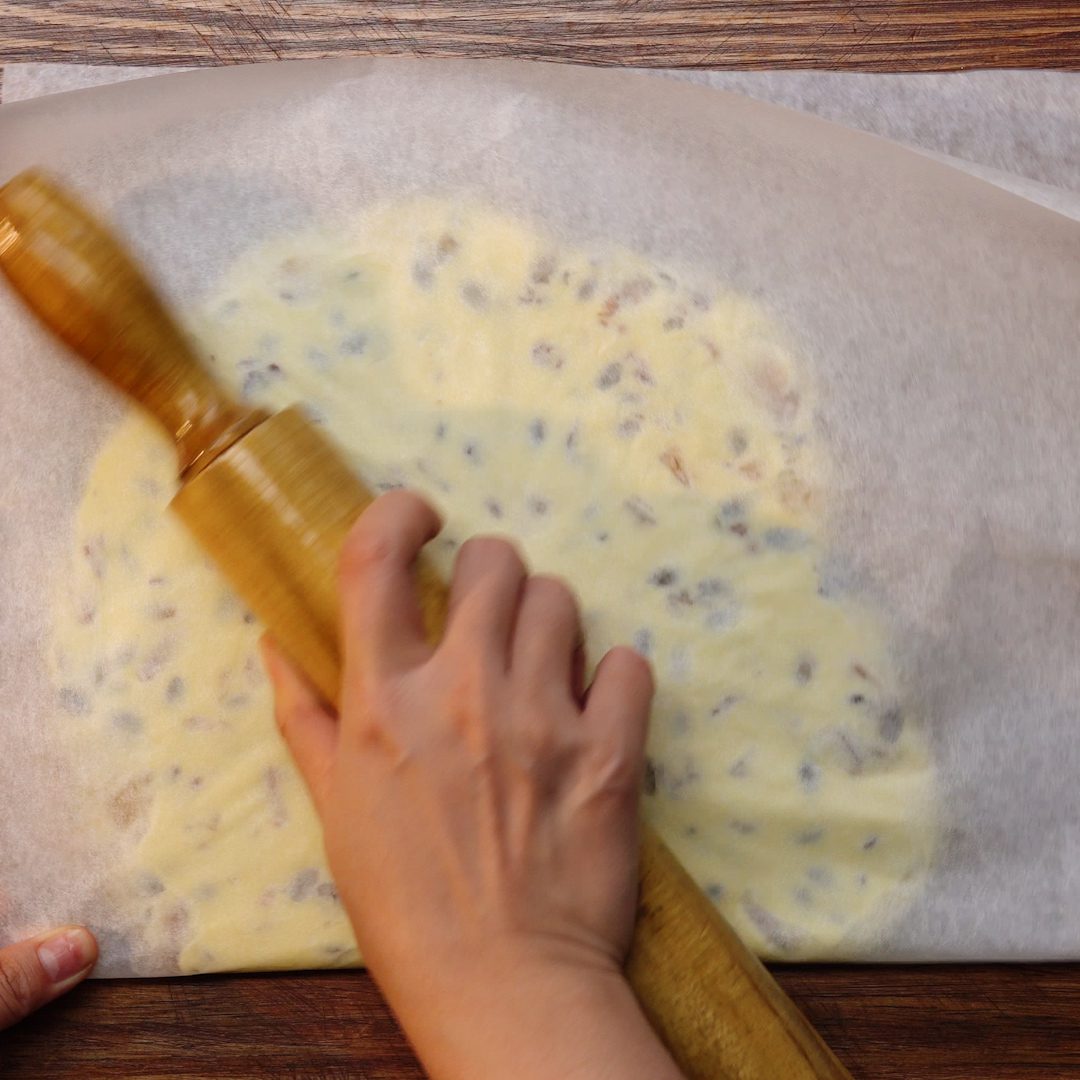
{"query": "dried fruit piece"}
(673, 461)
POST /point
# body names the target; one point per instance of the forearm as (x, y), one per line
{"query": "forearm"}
(569, 1024)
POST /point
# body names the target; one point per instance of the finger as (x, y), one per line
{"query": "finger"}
(382, 621)
(485, 592)
(547, 636)
(577, 672)
(309, 730)
(36, 971)
(617, 710)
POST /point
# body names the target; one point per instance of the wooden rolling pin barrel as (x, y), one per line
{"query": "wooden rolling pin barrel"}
(271, 500)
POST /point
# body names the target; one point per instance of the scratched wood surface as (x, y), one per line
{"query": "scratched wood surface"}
(886, 1023)
(849, 34)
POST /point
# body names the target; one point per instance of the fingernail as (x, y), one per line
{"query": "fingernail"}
(66, 953)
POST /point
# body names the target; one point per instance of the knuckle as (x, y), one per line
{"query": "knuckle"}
(380, 532)
(291, 717)
(404, 506)
(539, 747)
(540, 736)
(17, 989)
(480, 742)
(633, 669)
(375, 721)
(470, 683)
(555, 595)
(380, 706)
(365, 549)
(383, 700)
(535, 735)
(496, 554)
(401, 502)
(470, 702)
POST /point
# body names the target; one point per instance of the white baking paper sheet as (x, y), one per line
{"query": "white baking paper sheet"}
(939, 312)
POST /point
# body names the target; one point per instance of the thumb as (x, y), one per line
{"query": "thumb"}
(34, 972)
(309, 730)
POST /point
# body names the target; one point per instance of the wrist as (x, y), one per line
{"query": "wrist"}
(531, 1018)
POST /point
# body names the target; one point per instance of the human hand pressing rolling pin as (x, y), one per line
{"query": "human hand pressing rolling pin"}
(479, 808)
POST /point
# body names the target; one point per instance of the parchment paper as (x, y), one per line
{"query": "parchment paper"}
(939, 312)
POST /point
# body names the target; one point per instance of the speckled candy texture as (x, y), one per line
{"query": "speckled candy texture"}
(649, 440)
(784, 402)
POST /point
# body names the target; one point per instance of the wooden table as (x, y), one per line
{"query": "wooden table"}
(914, 1023)
(885, 1023)
(854, 34)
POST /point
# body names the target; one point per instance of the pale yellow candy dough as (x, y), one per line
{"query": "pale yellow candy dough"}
(651, 440)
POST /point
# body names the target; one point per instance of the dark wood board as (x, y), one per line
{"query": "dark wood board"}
(981, 1022)
(971, 1022)
(850, 34)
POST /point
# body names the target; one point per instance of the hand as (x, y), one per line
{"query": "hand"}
(480, 809)
(34, 972)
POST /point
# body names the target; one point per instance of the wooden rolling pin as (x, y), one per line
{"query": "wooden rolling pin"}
(271, 500)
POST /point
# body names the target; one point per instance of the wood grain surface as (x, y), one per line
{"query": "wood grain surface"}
(990, 1022)
(885, 1023)
(851, 34)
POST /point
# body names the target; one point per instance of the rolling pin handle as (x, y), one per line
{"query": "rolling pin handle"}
(85, 288)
